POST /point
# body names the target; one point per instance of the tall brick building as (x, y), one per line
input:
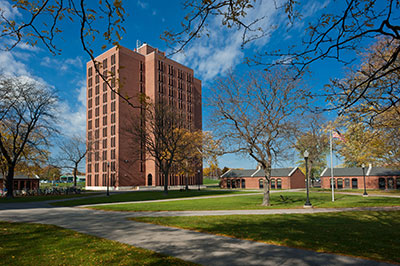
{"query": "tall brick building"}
(145, 70)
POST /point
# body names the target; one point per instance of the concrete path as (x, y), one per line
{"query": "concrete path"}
(201, 248)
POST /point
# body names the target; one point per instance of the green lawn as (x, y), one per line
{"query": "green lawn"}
(208, 181)
(247, 202)
(369, 191)
(146, 195)
(37, 244)
(44, 198)
(373, 235)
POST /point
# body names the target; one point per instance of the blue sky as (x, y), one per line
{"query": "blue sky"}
(210, 57)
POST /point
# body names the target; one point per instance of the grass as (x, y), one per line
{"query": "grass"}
(372, 235)
(208, 181)
(44, 198)
(80, 185)
(146, 195)
(37, 244)
(278, 201)
(369, 191)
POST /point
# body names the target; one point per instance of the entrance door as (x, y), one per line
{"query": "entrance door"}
(150, 180)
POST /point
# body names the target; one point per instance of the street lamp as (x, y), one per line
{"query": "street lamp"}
(108, 179)
(308, 203)
(365, 186)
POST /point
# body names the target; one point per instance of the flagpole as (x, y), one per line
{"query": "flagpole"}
(332, 181)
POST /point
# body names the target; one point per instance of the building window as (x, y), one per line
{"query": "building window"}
(104, 97)
(382, 183)
(89, 168)
(104, 120)
(260, 183)
(90, 92)
(97, 79)
(279, 183)
(105, 63)
(243, 183)
(90, 103)
(97, 90)
(89, 124)
(347, 183)
(398, 182)
(112, 106)
(96, 167)
(97, 100)
(330, 182)
(272, 183)
(104, 86)
(113, 59)
(113, 166)
(104, 132)
(113, 142)
(390, 183)
(96, 122)
(90, 82)
(112, 118)
(97, 112)
(96, 180)
(90, 71)
(113, 154)
(104, 155)
(90, 114)
(354, 183)
(104, 109)
(340, 183)
(228, 183)
(96, 134)
(105, 140)
(113, 94)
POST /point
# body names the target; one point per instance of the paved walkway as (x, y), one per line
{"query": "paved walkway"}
(201, 248)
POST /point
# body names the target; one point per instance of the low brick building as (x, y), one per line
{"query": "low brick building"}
(281, 178)
(22, 182)
(375, 178)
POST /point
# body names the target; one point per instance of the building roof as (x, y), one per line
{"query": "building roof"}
(22, 176)
(277, 172)
(357, 171)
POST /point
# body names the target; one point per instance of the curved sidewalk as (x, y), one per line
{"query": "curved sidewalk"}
(206, 249)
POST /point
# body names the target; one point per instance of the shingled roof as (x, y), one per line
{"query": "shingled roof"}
(357, 171)
(277, 172)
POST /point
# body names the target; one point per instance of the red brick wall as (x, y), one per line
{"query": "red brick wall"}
(372, 182)
(297, 180)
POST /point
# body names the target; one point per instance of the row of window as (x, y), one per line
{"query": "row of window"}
(110, 178)
(383, 183)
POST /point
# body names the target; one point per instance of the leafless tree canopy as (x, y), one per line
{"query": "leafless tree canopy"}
(339, 35)
(26, 121)
(73, 151)
(258, 115)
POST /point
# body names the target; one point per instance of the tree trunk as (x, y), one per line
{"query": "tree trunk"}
(266, 192)
(186, 183)
(10, 181)
(74, 174)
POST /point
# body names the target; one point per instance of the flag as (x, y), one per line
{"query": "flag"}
(336, 134)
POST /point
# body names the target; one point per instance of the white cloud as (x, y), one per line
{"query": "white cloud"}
(221, 50)
(142, 4)
(10, 66)
(8, 11)
(64, 65)
(72, 119)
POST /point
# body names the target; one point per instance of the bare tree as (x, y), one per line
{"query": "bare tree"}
(257, 116)
(314, 139)
(27, 121)
(338, 34)
(73, 151)
(160, 133)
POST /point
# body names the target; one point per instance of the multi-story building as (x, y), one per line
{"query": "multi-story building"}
(144, 70)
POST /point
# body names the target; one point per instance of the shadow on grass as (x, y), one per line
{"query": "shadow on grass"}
(373, 235)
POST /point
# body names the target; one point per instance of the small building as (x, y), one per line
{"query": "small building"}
(22, 182)
(70, 178)
(281, 178)
(353, 178)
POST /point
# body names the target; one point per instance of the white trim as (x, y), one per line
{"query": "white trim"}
(226, 172)
(258, 170)
(291, 172)
(323, 172)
